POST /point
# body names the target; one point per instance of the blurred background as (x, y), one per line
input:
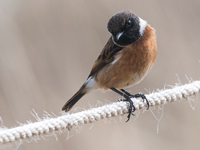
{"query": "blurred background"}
(48, 47)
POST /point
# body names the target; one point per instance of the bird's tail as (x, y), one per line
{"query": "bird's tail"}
(70, 103)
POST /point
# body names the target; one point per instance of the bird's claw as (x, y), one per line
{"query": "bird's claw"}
(131, 108)
(143, 98)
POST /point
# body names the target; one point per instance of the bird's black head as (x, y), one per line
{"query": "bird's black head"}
(126, 28)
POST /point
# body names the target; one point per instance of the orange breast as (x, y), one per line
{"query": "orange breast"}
(133, 63)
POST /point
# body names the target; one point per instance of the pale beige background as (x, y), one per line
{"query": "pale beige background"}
(48, 47)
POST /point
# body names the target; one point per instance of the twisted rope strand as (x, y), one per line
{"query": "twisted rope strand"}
(68, 121)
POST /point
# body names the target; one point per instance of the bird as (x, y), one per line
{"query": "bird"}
(125, 60)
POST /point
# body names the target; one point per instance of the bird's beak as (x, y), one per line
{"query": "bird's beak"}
(118, 35)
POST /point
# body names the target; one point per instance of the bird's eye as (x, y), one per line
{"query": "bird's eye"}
(129, 23)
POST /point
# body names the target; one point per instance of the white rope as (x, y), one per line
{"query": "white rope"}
(68, 121)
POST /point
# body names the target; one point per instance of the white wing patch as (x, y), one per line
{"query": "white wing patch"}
(117, 57)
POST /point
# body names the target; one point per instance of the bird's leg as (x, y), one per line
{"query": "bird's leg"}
(127, 99)
(136, 96)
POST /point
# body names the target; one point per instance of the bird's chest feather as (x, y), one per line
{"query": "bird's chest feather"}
(134, 64)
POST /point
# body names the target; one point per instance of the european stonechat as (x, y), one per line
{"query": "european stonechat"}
(125, 60)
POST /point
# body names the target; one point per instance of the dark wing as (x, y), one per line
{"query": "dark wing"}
(106, 56)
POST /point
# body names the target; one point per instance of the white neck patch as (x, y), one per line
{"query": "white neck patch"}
(143, 24)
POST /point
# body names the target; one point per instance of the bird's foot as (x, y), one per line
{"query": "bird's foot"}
(142, 96)
(131, 107)
(136, 96)
(127, 97)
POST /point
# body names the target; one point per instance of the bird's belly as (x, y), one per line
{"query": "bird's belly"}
(121, 77)
(133, 79)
